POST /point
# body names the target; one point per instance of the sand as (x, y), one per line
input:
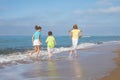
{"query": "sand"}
(115, 74)
(92, 64)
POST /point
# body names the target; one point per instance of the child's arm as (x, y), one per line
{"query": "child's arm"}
(80, 34)
(32, 38)
(70, 33)
(40, 41)
(55, 42)
(46, 41)
(39, 38)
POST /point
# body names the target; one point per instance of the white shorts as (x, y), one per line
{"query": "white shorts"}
(36, 42)
(74, 43)
(50, 50)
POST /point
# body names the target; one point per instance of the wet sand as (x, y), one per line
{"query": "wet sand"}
(92, 64)
(115, 74)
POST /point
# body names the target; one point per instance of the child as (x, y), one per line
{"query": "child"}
(36, 41)
(50, 44)
(75, 34)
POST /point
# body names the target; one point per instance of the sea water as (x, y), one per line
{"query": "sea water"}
(14, 48)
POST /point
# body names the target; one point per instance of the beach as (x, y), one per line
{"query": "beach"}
(95, 63)
(115, 74)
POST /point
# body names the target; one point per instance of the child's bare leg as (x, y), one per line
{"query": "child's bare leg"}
(70, 54)
(30, 54)
(38, 51)
(50, 55)
(76, 54)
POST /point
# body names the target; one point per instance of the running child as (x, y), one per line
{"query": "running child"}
(75, 34)
(50, 44)
(36, 41)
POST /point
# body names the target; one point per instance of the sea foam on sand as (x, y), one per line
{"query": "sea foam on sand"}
(91, 64)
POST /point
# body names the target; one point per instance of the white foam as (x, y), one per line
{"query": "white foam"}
(87, 36)
(24, 55)
(12, 57)
(80, 46)
(86, 45)
(112, 42)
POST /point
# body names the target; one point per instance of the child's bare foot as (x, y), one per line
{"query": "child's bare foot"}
(70, 58)
(76, 55)
(30, 55)
(70, 54)
(50, 58)
(37, 58)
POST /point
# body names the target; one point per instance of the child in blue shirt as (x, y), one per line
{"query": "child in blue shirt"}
(36, 41)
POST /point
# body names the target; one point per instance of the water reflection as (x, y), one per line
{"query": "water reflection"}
(52, 70)
(76, 69)
(55, 70)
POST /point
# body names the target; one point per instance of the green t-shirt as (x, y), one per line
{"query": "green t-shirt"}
(50, 42)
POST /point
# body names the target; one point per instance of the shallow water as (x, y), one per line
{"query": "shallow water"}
(92, 64)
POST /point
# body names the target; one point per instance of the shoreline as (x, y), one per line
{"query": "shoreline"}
(92, 64)
(115, 74)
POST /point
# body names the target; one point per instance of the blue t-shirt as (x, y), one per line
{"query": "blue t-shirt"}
(37, 35)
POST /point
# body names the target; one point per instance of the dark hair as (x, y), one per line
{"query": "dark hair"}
(75, 26)
(49, 33)
(37, 27)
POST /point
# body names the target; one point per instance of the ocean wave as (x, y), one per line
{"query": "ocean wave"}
(23, 56)
(112, 42)
(14, 57)
(87, 36)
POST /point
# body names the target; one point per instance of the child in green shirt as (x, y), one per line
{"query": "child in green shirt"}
(50, 44)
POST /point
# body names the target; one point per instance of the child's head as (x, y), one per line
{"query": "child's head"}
(49, 33)
(37, 27)
(75, 26)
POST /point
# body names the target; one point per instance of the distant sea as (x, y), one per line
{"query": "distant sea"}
(19, 46)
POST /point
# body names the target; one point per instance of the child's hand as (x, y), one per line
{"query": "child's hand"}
(55, 43)
(40, 43)
(80, 37)
(32, 42)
